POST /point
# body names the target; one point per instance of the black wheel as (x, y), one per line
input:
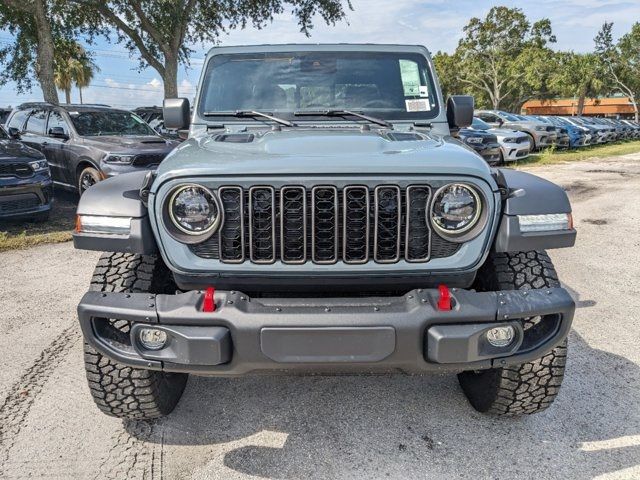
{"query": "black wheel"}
(119, 390)
(530, 387)
(87, 178)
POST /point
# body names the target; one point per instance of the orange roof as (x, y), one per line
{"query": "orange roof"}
(569, 106)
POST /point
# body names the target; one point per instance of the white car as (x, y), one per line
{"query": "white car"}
(514, 145)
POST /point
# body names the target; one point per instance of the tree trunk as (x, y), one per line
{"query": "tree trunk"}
(80, 92)
(580, 107)
(67, 95)
(45, 53)
(635, 107)
(170, 76)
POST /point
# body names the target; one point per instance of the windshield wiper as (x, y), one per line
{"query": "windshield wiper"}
(343, 113)
(250, 113)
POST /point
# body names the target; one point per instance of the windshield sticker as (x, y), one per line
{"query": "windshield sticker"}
(424, 91)
(137, 119)
(418, 105)
(410, 78)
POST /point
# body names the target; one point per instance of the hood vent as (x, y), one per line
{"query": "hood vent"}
(404, 137)
(235, 138)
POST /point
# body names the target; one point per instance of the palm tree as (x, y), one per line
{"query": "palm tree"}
(72, 65)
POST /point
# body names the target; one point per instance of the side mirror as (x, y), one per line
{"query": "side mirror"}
(500, 122)
(177, 113)
(13, 132)
(58, 132)
(460, 111)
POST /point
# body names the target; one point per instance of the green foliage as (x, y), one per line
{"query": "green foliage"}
(159, 31)
(73, 65)
(502, 56)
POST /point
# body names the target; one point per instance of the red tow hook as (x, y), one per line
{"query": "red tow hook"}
(209, 304)
(444, 302)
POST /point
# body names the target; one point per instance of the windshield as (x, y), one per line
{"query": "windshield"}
(89, 124)
(384, 85)
(480, 124)
(510, 117)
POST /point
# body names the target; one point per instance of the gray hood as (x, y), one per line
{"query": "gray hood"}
(308, 151)
(112, 143)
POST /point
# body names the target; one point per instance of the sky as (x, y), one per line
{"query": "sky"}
(436, 24)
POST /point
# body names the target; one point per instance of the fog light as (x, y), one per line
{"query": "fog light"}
(152, 338)
(500, 336)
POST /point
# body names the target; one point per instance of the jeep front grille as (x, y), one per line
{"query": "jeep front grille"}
(324, 225)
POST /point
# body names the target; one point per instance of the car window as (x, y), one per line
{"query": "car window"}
(478, 124)
(488, 117)
(109, 122)
(17, 121)
(509, 117)
(56, 120)
(36, 122)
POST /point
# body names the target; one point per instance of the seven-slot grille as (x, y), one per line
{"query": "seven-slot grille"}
(324, 224)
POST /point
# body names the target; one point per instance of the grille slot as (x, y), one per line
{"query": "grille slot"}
(387, 224)
(232, 231)
(262, 224)
(323, 224)
(418, 231)
(356, 224)
(293, 225)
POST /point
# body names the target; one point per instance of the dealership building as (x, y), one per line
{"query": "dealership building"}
(620, 107)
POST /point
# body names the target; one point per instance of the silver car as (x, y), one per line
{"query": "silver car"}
(541, 135)
(514, 145)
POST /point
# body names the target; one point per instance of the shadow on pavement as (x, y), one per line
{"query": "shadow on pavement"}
(372, 426)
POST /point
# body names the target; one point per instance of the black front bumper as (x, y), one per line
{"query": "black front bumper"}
(24, 197)
(407, 333)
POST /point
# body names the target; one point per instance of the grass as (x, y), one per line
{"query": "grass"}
(551, 155)
(20, 234)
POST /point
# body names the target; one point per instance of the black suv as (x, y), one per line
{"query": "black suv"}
(25, 182)
(87, 143)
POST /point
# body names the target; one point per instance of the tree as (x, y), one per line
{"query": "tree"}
(159, 31)
(36, 26)
(73, 65)
(621, 61)
(494, 50)
(29, 22)
(577, 76)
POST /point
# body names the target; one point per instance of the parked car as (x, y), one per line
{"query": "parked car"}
(26, 189)
(635, 128)
(88, 143)
(563, 140)
(514, 145)
(599, 135)
(153, 116)
(484, 143)
(578, 136)
(355, 236)
(541, 135)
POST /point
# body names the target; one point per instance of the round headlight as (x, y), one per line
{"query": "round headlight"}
(456, 209)
(194, 210)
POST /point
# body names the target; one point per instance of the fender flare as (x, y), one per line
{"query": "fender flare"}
(527, 194)
(118, 196)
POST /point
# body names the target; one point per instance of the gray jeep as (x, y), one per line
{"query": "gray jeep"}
(321, 218)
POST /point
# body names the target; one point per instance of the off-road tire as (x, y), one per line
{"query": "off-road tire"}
(530, 387)
(119, 390)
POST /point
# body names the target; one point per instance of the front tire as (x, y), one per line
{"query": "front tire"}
(532, 386)
(88, 177)
(118, 390)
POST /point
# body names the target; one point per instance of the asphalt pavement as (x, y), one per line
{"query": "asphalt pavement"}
(346, 426)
